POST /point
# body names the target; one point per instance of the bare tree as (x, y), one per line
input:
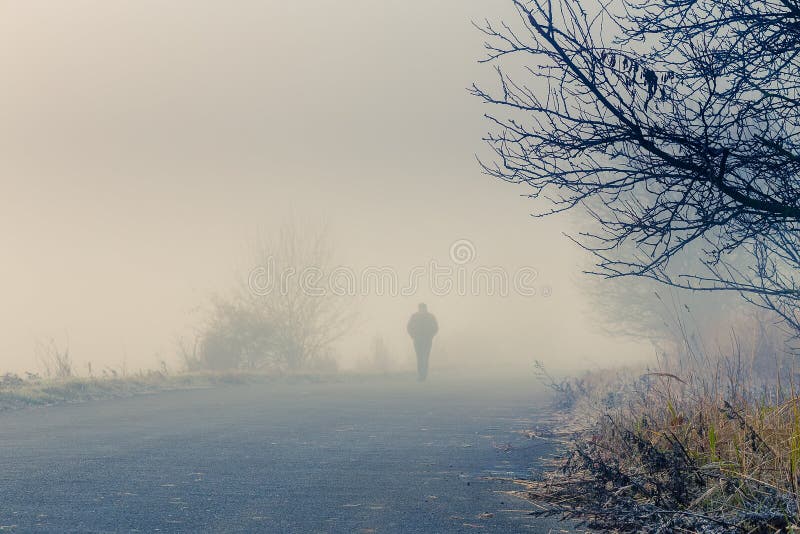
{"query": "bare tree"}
(293, 294)
(281, 314)
(673, 122)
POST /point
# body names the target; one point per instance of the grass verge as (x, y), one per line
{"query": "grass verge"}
(16, 393)
(689, 448)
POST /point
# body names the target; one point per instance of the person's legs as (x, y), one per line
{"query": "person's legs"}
(418, 352)
(423, 349)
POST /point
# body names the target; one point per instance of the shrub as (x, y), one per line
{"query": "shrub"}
(237, 337)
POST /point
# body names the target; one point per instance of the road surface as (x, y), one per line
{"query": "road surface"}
(378, 455)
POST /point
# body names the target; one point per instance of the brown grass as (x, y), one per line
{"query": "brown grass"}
(695, 444)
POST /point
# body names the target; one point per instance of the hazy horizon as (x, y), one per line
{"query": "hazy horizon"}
(145, 145)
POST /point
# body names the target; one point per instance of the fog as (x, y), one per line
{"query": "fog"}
(144, 147)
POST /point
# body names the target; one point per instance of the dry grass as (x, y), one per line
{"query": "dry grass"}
(697, 444)
(16, 392)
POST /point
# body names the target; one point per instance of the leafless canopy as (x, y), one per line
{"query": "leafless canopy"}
(306, 324)
(674, 122)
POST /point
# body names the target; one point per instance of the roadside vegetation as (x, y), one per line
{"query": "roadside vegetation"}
(33, 390)
(698, 442)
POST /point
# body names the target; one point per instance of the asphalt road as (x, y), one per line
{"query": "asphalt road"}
(379, 455)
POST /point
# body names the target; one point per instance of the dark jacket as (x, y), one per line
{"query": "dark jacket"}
(422, 325)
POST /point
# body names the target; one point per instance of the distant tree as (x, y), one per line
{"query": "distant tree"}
(282, 312)
(308, 316)
(645, 309)
(237, 337)
(674, 123)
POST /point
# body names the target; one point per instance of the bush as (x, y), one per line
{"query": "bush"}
(10, 380)
(236, 337)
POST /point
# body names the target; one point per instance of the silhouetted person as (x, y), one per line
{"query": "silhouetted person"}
(422, 327)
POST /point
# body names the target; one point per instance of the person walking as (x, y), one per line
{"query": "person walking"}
(422, 327)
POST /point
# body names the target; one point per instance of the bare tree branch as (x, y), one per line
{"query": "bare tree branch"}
(674, 123)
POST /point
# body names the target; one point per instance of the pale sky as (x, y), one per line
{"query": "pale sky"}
(143, 145)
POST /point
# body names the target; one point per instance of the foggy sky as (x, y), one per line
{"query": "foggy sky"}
(144, 144)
